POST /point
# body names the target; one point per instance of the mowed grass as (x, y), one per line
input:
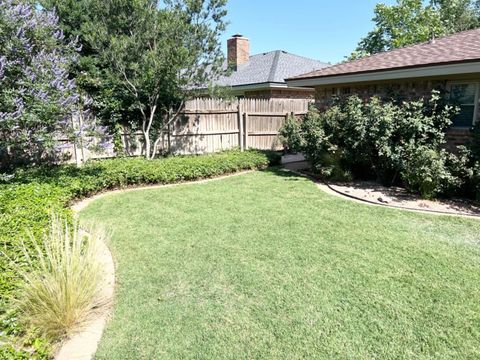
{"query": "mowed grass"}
(267, 266)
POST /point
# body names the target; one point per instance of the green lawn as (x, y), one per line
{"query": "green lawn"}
(266, 265)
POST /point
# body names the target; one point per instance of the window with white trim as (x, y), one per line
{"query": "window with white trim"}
(465, 96)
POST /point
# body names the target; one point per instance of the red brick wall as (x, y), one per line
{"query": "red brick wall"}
(456, 137)
(408, 90)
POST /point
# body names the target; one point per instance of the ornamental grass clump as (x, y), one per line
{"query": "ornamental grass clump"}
(61, 293)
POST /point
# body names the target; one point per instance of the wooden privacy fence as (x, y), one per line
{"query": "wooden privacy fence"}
(209, 125)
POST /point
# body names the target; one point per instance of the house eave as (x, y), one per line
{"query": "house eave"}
(265, 86)
(259, 86)
(418, 72)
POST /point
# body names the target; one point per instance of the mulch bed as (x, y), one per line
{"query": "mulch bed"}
(395, 196)
(400, 197)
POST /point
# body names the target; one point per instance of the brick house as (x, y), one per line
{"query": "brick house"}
(450, 64)
(263, 75)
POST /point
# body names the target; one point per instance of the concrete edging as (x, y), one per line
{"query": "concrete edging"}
(83, 345)
(325, 187)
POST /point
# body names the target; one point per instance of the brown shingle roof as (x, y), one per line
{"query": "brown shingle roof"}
(459, 47)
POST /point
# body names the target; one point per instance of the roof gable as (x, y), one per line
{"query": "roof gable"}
(270, 67)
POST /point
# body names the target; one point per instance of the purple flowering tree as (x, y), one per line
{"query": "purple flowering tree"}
(37, 97)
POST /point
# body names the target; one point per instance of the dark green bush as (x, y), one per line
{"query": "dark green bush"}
(464, 166)
(474, 145)
(475, 181)
(290, 136)
(426, 172)
(395, 143)
(29, 197)
(315, 143)
(473, 185)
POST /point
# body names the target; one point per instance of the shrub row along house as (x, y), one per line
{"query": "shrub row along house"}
(450, 64)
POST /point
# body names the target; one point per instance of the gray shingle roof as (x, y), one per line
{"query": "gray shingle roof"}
(270, 67)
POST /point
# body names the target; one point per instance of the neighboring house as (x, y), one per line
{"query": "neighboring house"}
(263, 75)
(450, 63)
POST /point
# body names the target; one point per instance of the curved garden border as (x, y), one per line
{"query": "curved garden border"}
(325, 187)
(369, 202)
(83, 345)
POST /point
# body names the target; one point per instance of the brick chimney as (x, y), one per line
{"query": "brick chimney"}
(238, 50)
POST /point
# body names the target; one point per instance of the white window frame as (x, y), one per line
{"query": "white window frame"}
(476, 99)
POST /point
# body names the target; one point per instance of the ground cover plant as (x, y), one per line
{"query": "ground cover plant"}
(265, 265)
(28, 197)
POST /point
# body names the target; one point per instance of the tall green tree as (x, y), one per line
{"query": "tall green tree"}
(169, 49)
(412, 21)
(110, 102)
(458, 15)
(141, 59)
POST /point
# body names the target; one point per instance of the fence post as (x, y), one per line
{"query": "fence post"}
(240, 127)
(82, 149)
(245, 127)
(75, 150)
(169, 143)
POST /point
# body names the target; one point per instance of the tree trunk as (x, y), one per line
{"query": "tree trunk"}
(146, 127)
(172, 115)
(146, 137)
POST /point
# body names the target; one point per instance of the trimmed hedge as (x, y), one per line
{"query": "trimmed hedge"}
(99, 175)
(30, 196)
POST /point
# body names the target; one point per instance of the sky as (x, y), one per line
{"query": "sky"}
(326, 30)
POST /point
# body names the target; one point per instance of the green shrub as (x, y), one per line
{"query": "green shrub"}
(332, 168)
(395, 143)
(30, 196)
(474, 145)
(476, 180)
(319, 150)
(112, 173)
(425, 172)
(473, 186)
(290, 136)
(464, 165)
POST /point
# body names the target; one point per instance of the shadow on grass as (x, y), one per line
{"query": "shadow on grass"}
(280, 171)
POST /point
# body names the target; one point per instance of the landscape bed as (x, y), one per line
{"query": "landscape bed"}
(265, 265)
